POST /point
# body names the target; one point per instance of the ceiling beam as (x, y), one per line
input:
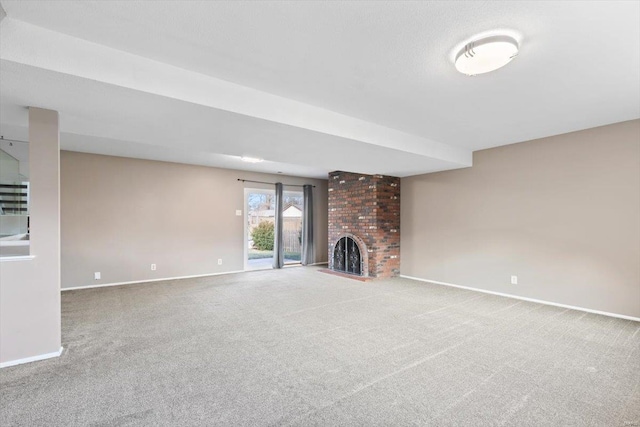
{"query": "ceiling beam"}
(50, 50)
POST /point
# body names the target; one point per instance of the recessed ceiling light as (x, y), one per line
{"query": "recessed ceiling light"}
(486, 54)
(250, 159)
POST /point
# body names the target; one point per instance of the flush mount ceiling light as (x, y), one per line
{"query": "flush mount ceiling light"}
(250, 159)
(486, 54)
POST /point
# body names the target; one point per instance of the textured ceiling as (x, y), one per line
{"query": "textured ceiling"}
(387, 64)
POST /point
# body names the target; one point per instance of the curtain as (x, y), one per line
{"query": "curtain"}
(278, 253)
(308, 255)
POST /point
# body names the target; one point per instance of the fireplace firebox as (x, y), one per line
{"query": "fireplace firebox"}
(347, 257)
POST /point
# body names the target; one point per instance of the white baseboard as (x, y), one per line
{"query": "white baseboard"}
(572, 307)
(320, 263)
(31, 359)
(103, 285)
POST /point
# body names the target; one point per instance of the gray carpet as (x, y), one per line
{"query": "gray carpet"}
(299, 348)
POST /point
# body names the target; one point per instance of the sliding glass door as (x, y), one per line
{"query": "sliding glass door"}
(260, 208)
(259, 230)
(292, 226)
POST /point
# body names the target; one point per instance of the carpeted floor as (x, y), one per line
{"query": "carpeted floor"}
(297, 347)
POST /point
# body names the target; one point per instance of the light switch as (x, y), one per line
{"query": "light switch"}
(238, 212)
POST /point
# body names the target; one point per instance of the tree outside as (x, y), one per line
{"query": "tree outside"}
(262, 236)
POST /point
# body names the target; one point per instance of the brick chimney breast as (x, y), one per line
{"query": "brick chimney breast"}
(367, 209)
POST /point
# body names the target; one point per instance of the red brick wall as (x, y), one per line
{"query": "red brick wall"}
(367, 206)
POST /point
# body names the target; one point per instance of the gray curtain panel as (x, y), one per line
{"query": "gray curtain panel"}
(278, 253)
(308, 255)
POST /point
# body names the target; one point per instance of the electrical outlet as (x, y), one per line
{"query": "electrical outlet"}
(219, 261)
(96, 275)
(153, 267)
(238, 212)
(514, 280)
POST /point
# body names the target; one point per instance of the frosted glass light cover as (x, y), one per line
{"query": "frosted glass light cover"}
(485, 55)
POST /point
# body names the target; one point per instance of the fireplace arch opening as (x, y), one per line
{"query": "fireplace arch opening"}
(348, 257)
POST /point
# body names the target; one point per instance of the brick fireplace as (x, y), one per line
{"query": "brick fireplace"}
(364, 224)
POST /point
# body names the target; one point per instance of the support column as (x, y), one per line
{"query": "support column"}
(30, 318)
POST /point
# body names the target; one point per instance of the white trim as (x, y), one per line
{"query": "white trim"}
(572, 307)
(7, 243)
(6, 258)
(319, 263)
(103, 285)
(31, 359)
(245, 229)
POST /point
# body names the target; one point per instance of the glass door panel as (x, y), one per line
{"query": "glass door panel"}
(260, 210)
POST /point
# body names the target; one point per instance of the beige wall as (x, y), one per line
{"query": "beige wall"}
(30, 289)
(120, 215)
(561, 213)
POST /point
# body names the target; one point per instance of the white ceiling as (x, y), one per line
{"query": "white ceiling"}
(314, 86)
